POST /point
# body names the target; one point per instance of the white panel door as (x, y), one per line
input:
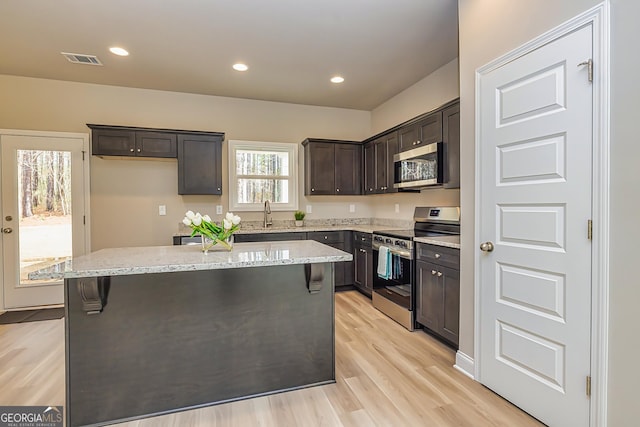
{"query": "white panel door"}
(535, 203)
(43, 209)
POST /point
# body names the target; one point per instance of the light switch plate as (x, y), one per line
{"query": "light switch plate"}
(352, 208)
(309, 210)
(397, 208)
(162, 210)
(218, 209)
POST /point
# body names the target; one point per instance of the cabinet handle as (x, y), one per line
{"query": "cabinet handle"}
(370, 189)
(438, 256)
(313, 189)
(326, 237)
(433, 272)
(218, 188)
(439, 273)
(418, 142)
(131, 149)
(413, 143)
(138, 150)
(363, 239)
(337, 190)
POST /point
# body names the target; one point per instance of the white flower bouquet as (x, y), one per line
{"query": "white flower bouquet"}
(210, 232)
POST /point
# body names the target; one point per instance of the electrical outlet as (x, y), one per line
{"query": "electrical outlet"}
(162, 210)
(218, 209)
(397, 208)
(309, 210)
(352, 208)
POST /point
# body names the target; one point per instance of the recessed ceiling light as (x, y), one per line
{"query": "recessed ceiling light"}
(337, 79)
(118, 51)
(240, 67)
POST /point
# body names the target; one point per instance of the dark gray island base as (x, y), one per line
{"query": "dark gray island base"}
(165, 342)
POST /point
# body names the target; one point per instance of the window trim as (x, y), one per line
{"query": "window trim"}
(290, 148)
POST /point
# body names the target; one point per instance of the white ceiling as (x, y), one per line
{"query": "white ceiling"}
(292, 47)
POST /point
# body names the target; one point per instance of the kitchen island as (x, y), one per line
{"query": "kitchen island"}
(162, 329)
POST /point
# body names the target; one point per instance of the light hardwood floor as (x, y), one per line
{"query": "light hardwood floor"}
(385, 376)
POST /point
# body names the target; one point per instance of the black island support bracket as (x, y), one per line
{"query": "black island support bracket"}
(93, 292)
(315, 277)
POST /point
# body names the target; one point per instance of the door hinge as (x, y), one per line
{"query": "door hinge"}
(589, 64)
(588, 385)
(589, 229)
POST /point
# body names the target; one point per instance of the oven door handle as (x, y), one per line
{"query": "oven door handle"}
(399, 252)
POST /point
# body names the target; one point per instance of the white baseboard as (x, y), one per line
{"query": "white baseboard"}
(465, 364)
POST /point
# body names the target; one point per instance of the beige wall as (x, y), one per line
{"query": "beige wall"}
(125, 194)
(436, 89)
(490, 28)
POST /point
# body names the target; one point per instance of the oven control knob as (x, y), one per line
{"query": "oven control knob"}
(387, 240)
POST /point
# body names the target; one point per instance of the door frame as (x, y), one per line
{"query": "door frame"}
(598, 18)
(86, 183)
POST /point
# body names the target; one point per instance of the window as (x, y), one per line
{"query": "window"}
(260, 171)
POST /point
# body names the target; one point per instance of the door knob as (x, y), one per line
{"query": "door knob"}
(7, 230)
(486, 247)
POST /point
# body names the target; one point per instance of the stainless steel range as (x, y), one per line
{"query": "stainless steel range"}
(394, 284)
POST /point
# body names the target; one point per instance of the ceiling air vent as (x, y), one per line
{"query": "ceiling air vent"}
(79, 58)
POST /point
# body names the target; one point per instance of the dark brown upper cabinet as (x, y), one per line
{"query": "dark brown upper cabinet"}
(199, 153)
(426, 130)
(123, 141)
(200, 164)
(451, 139)
(332, 167)
(378, 164)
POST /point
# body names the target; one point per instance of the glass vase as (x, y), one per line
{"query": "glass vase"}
(209, 244)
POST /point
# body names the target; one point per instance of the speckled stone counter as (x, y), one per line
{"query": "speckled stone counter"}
(446, 241)
(162, 329)
(166, 259)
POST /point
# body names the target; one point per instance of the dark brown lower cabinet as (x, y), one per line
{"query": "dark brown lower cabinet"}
(438, 299)
(363, 263)
(340, 240)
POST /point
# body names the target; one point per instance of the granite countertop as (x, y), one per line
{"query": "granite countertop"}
(447, 241)
(365, 228)
(166, 259)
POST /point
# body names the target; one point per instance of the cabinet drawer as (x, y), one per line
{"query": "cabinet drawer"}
(326, 236)
(441, 255)
(362, 238)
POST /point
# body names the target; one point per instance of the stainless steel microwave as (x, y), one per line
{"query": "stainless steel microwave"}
(420, 167)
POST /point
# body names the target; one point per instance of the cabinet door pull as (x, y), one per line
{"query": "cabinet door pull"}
(131, 150)
(433, 272)
(439, 273)
(438, 256)
(337, 190)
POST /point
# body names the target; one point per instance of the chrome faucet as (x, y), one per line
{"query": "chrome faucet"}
(267, 214)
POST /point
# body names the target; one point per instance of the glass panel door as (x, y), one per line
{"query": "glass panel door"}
(43, 216)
